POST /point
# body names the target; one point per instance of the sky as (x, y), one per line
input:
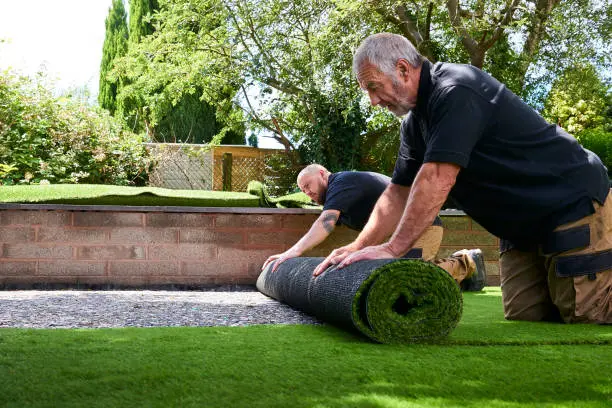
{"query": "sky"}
(64, 38)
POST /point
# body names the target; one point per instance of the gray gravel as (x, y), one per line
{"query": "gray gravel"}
(142, 308)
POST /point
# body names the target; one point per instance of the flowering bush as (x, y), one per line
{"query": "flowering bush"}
(47, 139)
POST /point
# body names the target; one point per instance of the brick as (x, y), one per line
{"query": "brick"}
(86, 280)
(492, 268)
(150, 269)
(343, 233)
(189, 280)
(137, 281)
(14, 268)
(301, 222)
(243, 280)
(341, 236)
(454, 223)
(35, 251)
(111, 252)
(254, 255)
(493, 280)
(468, 239)
(203, 252)
(58, 279)
(446, 252)
(144, 235)
(247, 221)
(199, 236)
(279, 237)
(321, 251)
(17, 234)
(216, 269)
(165, 220)
(33, 217)
(71, 268)
(490, 253)
(108, 219)
(21, 282)
(78, 235)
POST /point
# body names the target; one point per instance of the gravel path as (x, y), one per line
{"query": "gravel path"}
(143, 308)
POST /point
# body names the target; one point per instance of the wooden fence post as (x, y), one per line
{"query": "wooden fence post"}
(227, 172)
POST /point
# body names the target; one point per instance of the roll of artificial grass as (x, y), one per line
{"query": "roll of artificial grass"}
(294, 200)
(389, 301)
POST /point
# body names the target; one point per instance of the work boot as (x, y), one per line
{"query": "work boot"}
(477, 280)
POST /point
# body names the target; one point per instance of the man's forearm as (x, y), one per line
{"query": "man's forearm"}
(318, 232)
(385, 216)
(429, 192)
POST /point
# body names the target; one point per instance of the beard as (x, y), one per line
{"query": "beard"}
(403, 105)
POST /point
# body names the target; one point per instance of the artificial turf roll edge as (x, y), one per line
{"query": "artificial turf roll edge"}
(389, 301)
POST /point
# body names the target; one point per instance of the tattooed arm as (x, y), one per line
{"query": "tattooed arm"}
(319, 231)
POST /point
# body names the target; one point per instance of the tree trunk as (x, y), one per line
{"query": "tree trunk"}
(536, 30)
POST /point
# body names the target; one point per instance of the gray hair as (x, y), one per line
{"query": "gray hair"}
(383, 50)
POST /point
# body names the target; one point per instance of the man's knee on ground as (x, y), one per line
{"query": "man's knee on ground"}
(533, 313)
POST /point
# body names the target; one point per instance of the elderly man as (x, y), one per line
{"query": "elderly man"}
(523, 179)
(348, 197)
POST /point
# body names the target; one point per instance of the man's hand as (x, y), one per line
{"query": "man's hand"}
(279, 258)
(373, 252)
(335, 257)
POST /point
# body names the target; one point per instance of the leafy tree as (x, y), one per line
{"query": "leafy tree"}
(150, 102)
(578, 100)
(44, 138)
(283, 68)
(115, 46)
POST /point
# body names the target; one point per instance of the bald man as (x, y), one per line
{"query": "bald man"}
(348, 198)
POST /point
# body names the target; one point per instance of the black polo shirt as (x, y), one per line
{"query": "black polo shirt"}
(520, 176)
(354, 194)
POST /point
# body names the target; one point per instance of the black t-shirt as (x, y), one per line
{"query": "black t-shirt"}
(520, 176)
(354, 194)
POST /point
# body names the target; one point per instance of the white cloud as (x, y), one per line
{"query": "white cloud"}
(64, 36)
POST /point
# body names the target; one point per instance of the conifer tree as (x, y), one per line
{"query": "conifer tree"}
(115, 45)
(139, 25)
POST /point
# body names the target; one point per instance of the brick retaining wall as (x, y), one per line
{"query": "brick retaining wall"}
(105, 246)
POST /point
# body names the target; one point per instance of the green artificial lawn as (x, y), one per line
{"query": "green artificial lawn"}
(98, 194)
(310, 366)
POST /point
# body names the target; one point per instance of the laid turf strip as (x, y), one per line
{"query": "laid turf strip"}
(289, 366)
(319, 366)
(483, 323)
(389, 301)
(98, 194)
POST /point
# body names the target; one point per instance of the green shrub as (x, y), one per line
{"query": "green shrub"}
(44, 138)
(599, 141)
(280, 174)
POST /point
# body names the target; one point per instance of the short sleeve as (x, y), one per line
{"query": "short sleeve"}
(410, 154)
(341, 196)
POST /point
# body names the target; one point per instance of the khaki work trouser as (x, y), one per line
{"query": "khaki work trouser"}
(569, 277)
(459, 267)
